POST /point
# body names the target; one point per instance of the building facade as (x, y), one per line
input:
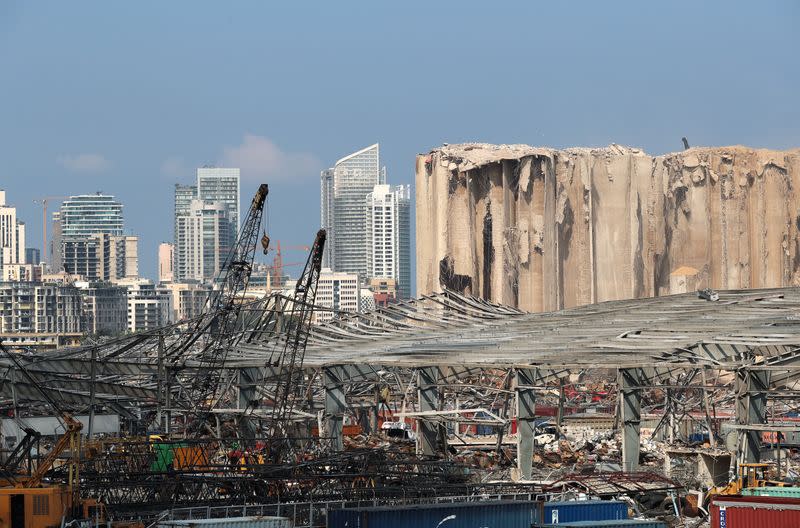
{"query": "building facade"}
(218, 184)
(202, 241)
(389, 236)
(33, 255)
(188, 299)
(149, 306)
(101, 257)
(337, 291)
(343, 208)
(105, 308)
(166, 262)
(206, 223)
(88, 214)
(12, 234)
(40, 308)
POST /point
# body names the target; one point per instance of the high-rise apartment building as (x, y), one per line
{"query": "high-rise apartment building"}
(343, 209)
(105, 308)
(389, 235)
(337, 291)
(33, 255)
(35, 307)
(166, 262)
(12, 234)
(149, 306)
(218, 184)
(326, 214)
(88, 214)
(202, 241)
(101, 257)
(206, 223)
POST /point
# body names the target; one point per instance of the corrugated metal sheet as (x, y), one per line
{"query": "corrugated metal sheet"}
(494, 514)
(755, 512)
(638, 523)
(230, 522)
(595, 510)
(773, 491)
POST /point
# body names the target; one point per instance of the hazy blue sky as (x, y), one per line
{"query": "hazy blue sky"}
(128, 98)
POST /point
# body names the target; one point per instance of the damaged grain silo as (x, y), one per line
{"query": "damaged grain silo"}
(544, 229)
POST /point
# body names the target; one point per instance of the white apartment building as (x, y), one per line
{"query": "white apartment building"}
(343, 208)
(389, 236)
(105, 307)
(35, 307)
(188, 299)
(200, 250)
(166, 262)
(338, 291)
(12, 234)
(149, 306)
(219, 184)
(202, 241)
(101, 256)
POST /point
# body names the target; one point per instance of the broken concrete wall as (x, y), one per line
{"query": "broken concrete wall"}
(545, 229)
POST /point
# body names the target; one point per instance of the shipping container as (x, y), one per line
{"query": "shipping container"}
(773, 491)
(230, 522)
(489, 514)
(735, 511)
(624, 523)
(590, 510)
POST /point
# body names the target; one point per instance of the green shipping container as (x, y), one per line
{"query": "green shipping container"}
(773, 491)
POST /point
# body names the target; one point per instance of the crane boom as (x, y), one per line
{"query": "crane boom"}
(292, 354)
(223, 309)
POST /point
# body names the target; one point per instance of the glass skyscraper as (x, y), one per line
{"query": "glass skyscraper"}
(344, 208)
(89, 214)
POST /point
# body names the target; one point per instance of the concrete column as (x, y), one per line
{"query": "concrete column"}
(629, 382)
(526, 420)
(247, 380)
(335, 405)
(751, 408)
(428, 395)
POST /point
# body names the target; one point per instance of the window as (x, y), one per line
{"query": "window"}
(41, 505)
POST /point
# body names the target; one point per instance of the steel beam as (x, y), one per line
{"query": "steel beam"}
(335, 404)
(752, 387)
(629, 384)
(526, 420)
(428, 395)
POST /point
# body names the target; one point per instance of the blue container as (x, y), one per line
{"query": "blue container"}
(594, 510)
(610, 524)
(489, 514)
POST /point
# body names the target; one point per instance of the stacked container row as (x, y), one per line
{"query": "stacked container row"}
(755, 512)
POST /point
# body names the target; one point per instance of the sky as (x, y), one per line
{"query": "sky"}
(129, 98)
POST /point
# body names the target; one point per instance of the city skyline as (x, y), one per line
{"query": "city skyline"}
(94, 107)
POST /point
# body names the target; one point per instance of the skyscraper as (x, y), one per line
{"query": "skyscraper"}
(88, 214)
(12, 234)
(206, 223)
(389, 235)
(344, 208)
(217, 184)
(202, 241)
(166, 262)
(326, 214)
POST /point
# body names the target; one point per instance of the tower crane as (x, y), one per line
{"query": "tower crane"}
(44, 201)
(277, 260)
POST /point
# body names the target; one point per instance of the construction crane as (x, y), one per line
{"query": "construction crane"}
(277, 260)
(17, 510)
(290, 358)
(44, 201)
(216, 333)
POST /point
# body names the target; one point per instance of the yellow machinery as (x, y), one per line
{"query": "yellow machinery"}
(750, 475)
(24, 501)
